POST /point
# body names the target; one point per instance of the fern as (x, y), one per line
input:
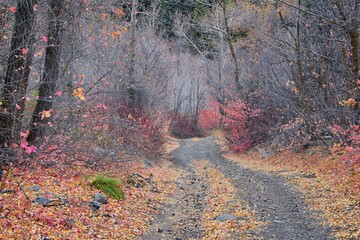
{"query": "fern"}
(109, 185)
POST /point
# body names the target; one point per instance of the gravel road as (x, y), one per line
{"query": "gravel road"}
(269, 196)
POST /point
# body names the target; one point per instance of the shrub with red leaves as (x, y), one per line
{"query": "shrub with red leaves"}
(185, 127)
(245, 125)
(210, 117)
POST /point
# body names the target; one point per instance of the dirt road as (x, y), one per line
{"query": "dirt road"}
(273, 201)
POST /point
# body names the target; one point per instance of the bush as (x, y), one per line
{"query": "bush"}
(140, 131)
(185, 127)
(245, 125)
(210, 117)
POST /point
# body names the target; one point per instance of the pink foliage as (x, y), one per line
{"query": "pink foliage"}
(25, 145)
(210, 117)
(243, 125)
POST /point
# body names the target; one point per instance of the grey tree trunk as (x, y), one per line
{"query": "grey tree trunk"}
(17, 74)
(38, 123)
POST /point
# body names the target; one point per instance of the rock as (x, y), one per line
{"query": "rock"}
(41, 200)
(7, 191)
(101, 151)
(264, 152)
(100, 198)
(36, 188)
(310, 175)
(154, 190)
(225, 217)
(148, 163)
(94, 205)
(160, 230)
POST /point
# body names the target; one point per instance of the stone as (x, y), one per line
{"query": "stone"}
(264, 152)
(148, 163)
(41, 200)
(100, 198)
(7, 191)
(310, 175)
(225, 217)
(36, 188)
(94, 205)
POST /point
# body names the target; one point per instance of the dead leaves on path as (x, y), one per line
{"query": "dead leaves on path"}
(222, 199)
(329, 187)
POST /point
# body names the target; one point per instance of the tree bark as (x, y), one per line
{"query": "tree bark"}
(17, 74)
(38, 123)
(231, 47)
(132, 81)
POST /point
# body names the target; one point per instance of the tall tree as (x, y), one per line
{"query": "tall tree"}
(49, 78)
(132, 81)
(17, 73)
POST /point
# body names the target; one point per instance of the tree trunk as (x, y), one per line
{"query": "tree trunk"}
(17, 74)
(38, 123)
(231, 47)
(132, 81)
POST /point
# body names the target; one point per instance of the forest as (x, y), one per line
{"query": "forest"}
(96, 94)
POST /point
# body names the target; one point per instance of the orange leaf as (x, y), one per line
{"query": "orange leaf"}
(116, 34)
(119, 11)
(79, 93)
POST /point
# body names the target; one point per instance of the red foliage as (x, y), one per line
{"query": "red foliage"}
(140, 130)
(244, 125)
(184, 126)
(210, 117)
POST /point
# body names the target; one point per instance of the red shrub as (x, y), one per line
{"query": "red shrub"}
(185, 127)
(140, 131)
(245, 125)
(210, 117)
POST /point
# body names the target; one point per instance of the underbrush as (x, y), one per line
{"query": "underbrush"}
(86, 141)
(183, 127)
(68, 214)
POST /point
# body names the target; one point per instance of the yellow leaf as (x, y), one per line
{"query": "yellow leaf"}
(79, 93)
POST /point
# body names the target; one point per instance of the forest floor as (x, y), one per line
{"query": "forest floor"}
(226, 196)
(199, 190)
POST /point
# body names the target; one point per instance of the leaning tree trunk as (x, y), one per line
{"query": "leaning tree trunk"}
(17, 74)
(39, 120)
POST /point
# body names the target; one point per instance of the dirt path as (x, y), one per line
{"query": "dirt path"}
(273, 201)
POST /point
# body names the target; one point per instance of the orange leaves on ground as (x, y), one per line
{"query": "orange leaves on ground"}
(71, 217)
(79, 92)
(222, 199)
